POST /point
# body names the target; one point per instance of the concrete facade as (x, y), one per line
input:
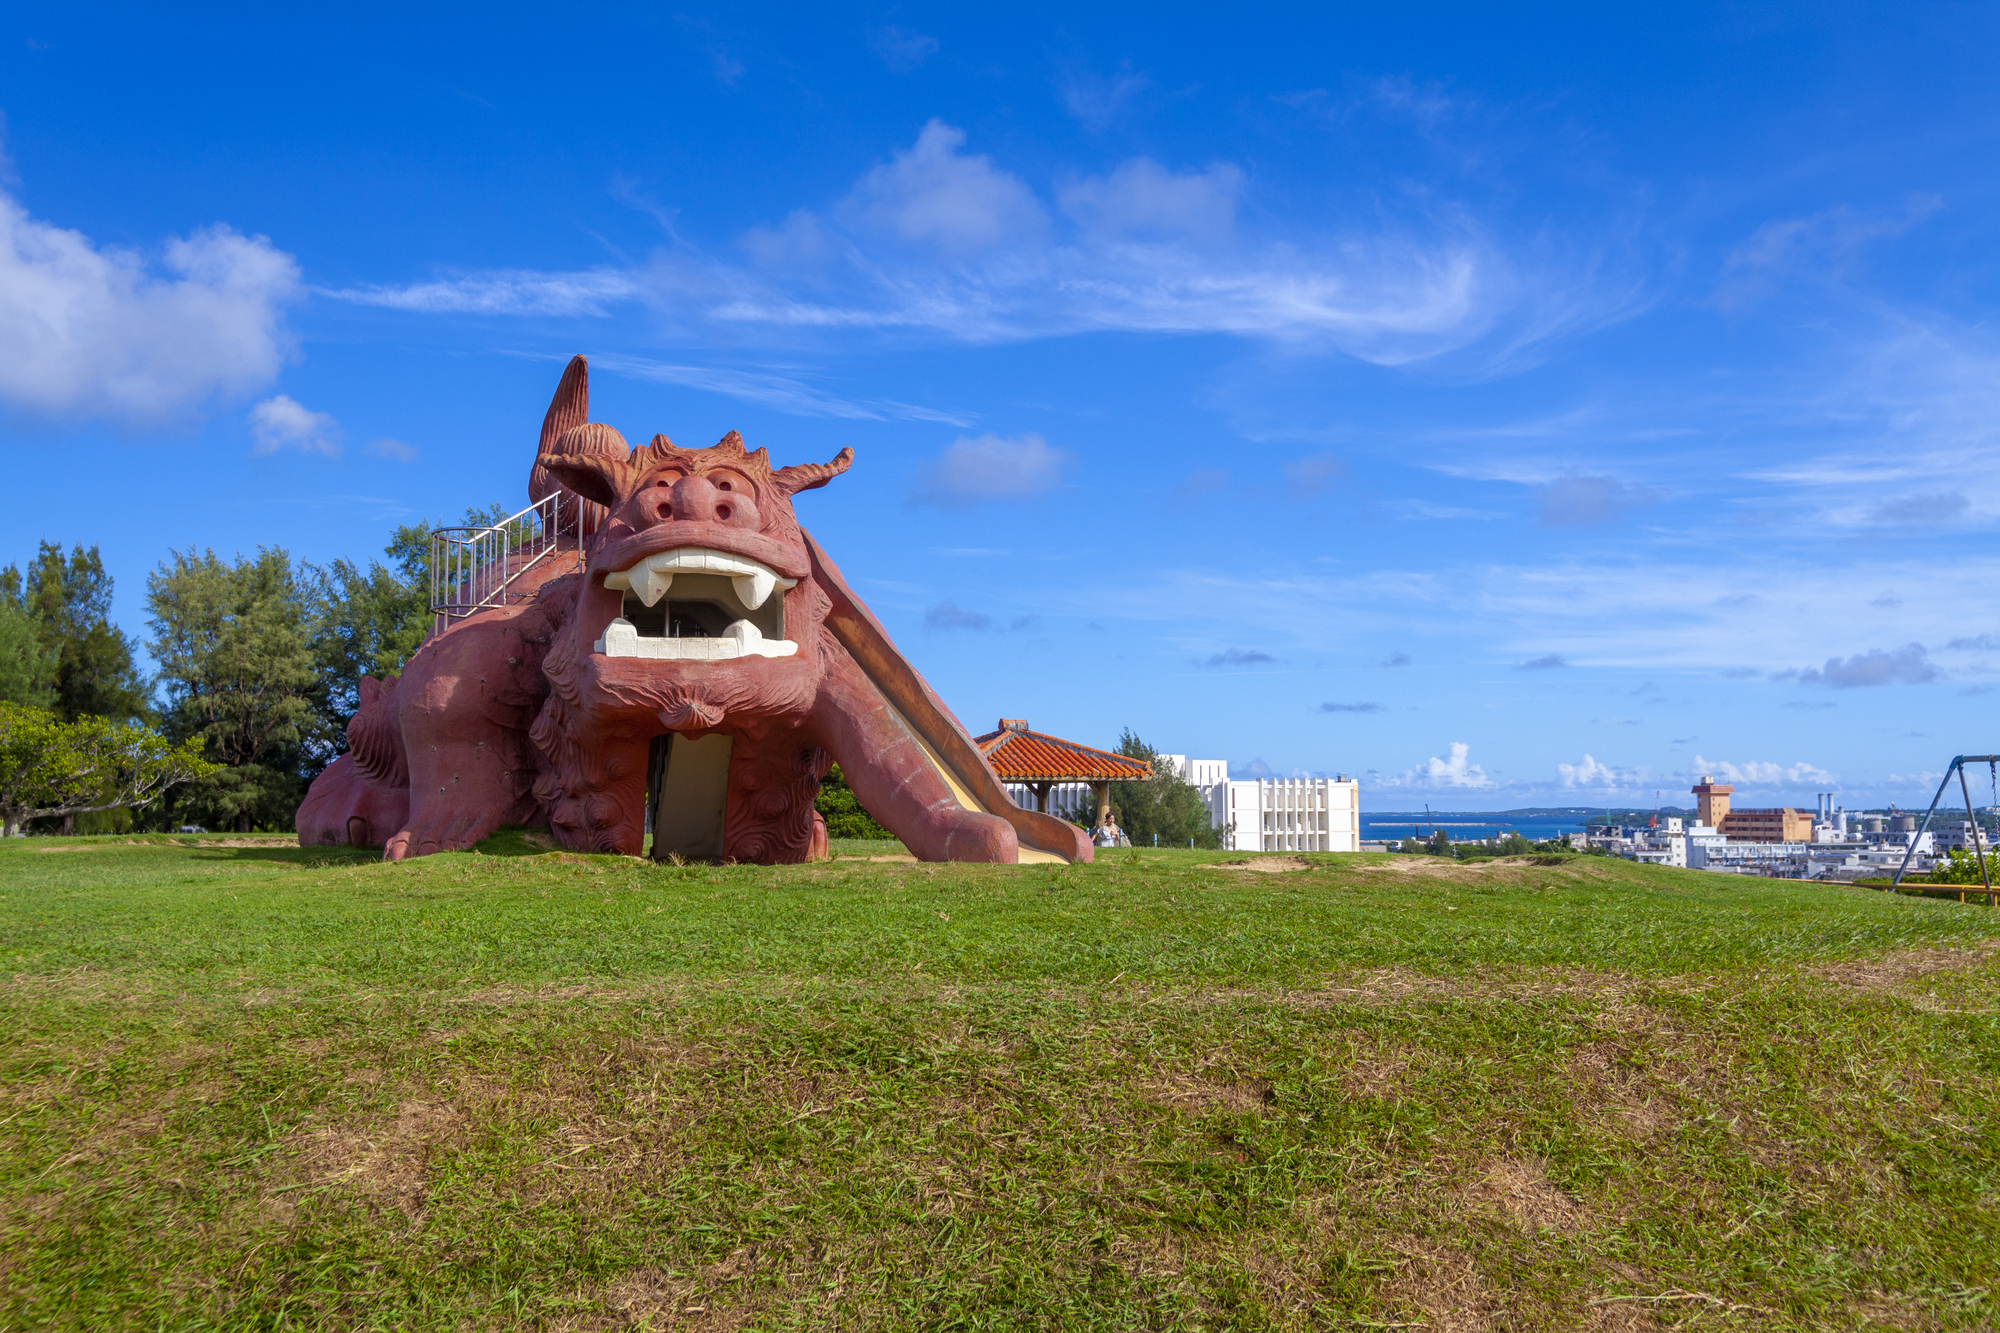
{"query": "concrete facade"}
(1288, 814)
(1780, 825)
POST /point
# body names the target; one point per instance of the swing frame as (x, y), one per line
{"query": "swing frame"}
(1957, 766)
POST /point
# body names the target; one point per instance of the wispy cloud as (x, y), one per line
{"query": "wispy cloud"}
(902, 50)
(1585, 502)
(949, 615)
(1825, 245)
(778, 392)
(992, 467)
(1231, 657)
(1098, 99)
(945, 242)
(505, 292)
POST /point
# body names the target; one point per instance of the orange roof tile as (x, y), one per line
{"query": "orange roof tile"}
(1020, 755)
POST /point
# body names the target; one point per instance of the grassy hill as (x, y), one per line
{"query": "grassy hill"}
(249, 1086)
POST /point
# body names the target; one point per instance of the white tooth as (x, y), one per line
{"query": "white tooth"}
(744, 632)
(618, 581)
(755, 588)
(651, 583)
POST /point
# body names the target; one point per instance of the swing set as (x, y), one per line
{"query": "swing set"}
(1958, 763)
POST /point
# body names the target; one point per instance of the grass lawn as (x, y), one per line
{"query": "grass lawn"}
(252, 1086)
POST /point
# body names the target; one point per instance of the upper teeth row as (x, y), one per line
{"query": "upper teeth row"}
(651, 577)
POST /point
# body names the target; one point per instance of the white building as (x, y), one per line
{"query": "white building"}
(1272, 815)
(1288, 814)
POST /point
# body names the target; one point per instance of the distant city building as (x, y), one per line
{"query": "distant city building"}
(1711, 801)
(1781, 825)
(1786, 843)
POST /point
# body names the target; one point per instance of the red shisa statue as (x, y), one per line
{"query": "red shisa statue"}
(681, 657)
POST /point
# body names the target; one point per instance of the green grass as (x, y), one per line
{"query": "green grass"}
(262, 1087)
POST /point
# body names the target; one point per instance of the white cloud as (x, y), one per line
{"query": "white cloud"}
(1592, 774)
(1455, 772)
(393, 449)
(992, 467)
(105, 332)
(1755, 773)
(1145, 200)
(933, 194)
(285, 423)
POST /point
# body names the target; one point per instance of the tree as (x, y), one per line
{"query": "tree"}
(1439, 843)
(366, 624)
(1963, 868)
(1163, 806)
(69, 601)
(50, 767)
(842, 810)
(27, 665)
(239, 680)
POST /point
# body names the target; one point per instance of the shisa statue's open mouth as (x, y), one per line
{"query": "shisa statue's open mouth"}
(696, 604)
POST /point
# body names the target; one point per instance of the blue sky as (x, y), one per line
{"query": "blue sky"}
(1506, 406)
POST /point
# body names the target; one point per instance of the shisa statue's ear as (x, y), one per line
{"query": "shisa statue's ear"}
(592, 476)
(571, 405)
(811, 476)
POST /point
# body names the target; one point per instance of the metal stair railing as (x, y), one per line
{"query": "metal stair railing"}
(479, 569)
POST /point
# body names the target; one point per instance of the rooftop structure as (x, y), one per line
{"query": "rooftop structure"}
(1039, 762)
(1711, 801)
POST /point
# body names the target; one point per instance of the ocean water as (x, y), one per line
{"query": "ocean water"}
(1464, 828)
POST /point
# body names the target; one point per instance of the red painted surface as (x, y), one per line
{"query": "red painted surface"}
(512, 717)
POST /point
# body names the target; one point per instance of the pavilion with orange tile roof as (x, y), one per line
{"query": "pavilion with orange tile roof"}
(1040, 761)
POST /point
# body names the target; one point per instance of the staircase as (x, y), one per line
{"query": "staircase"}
(482, 569)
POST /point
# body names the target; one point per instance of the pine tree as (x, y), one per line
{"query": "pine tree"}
(69, 600)
(27, 665)
(238, 677)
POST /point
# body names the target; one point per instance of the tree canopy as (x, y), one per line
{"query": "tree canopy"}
(83, 664)
(239, 681)
(842, 810)
(51, 767)
(1164, 806)
(366, 623)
